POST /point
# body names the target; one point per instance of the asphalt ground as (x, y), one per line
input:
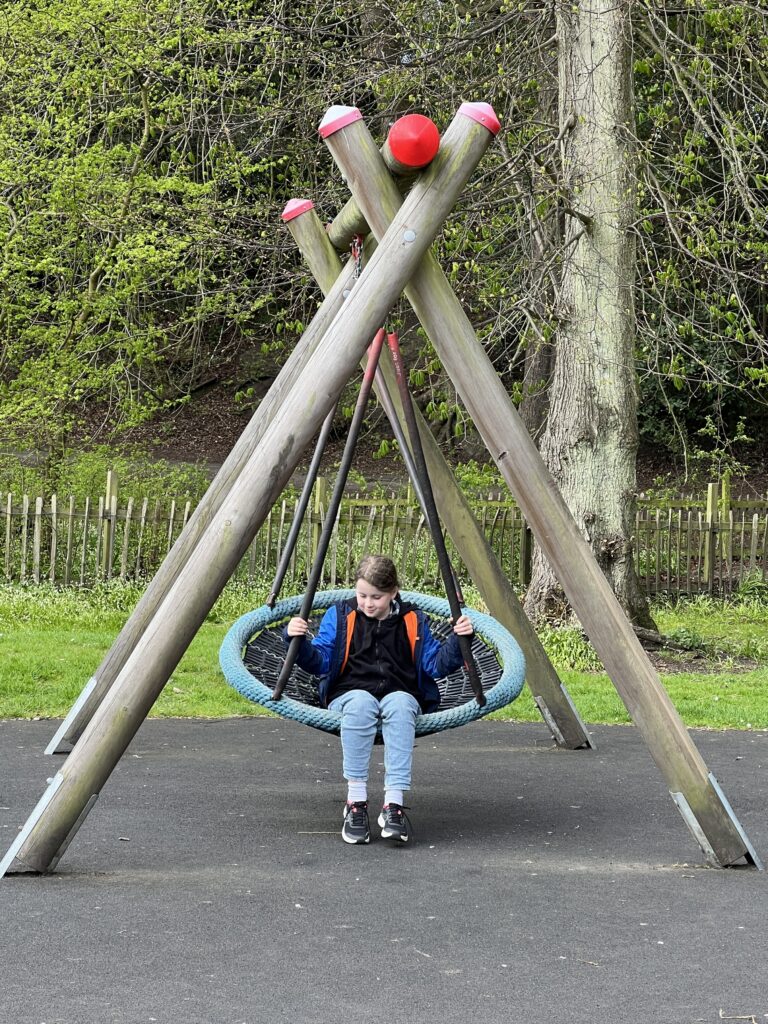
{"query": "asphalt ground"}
(210, 885)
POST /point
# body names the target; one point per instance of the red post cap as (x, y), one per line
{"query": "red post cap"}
(413, 141)
(336, 118)
(484, 113)
(295, 207)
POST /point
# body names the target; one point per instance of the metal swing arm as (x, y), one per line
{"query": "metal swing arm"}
(418, 473)
(415, 461)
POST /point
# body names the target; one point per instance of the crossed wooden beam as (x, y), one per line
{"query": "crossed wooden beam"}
(116, 700)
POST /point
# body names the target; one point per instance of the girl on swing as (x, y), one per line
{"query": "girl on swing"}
(377, 660)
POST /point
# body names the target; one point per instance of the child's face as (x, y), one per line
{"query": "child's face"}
(372, 601)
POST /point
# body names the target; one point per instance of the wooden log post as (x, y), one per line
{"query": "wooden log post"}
(299, 413)
(108, 529)
(37, 539)
(98, 685)
(726, 516)
(320, 501)
(710, 545)
(8, 534)
(552, 698)
(693, 788)
(54, 538)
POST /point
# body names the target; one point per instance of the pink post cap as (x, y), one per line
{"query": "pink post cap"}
(295, 207)
(482, 112)
(414, 140)
(336, 118)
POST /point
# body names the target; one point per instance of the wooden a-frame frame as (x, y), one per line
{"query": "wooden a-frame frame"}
(401, 261)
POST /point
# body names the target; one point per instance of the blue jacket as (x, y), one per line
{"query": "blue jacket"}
(325, 656)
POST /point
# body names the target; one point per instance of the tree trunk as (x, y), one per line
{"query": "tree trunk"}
(539, 364)
(590, 440)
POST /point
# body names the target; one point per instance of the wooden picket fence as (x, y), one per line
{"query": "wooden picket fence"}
(681, 550)
(81, 543)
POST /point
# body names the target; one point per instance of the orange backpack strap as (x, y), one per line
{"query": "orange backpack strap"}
(351, 616)
(412, 629)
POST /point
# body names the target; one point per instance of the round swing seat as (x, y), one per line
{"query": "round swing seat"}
(253, 651)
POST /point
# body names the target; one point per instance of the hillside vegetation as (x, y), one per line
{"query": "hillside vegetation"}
(146, 153)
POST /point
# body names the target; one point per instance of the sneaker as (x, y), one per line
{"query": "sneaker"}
(356, 828)
(394, 823)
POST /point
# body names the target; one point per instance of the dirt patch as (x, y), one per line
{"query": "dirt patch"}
(206, 428)
(673, 664)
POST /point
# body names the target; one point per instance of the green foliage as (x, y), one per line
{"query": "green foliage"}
(146, 153)
(719, 458)
(136, 195)
(702, 246)
(51, 641)
(662, 491)
(690, 639)
(752, 591)
(479, 478)
(704, 700)
(386, 447)
(106, 604)
(568, 648)
(84, 474)
(719, 631)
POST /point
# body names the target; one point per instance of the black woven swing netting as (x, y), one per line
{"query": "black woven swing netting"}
(264, 655)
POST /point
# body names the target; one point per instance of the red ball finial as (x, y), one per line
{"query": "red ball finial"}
(414, 141)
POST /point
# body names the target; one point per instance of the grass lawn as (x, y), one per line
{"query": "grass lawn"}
(712, 701)
(51, 641)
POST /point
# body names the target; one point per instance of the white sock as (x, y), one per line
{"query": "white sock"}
(393, 796)
(357, 791)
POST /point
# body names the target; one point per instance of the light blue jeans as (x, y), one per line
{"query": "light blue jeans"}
(361, 714)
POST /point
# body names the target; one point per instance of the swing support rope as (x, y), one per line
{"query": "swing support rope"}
(416, 463)
(452, 589)
(301, 507)
(415, 460)
(385, 400)
(325, 537)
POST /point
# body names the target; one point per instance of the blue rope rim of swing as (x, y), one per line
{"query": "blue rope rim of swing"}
(493, 634)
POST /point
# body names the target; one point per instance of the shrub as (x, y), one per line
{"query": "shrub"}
(84, 474)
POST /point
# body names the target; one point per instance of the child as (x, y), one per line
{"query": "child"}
(377, 657)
